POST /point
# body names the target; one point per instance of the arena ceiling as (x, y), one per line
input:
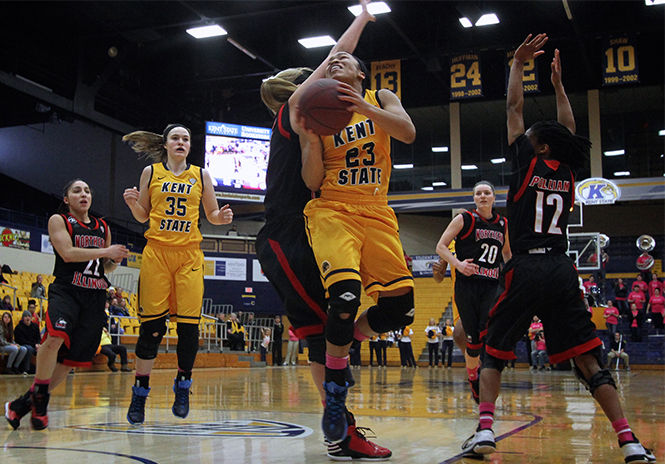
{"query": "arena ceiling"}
(133, 62)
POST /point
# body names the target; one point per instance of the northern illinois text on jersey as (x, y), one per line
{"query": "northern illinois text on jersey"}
(354, 133)
(493, 234)
(89, 241)
(550, 184)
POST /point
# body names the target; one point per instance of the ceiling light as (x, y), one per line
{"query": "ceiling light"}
(439, 149)
(661, 132)
(374, 8)
(615, 152)
(439, 184)
(498, 160)
(466, 22)
(654, 2)
(487, 19)
(622, 173)
(469, 167)
(320, 41)
(204, 32)
(402, 166)
(426, 188)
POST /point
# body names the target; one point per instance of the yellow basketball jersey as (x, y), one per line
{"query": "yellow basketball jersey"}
(174, 206)
(357, 160)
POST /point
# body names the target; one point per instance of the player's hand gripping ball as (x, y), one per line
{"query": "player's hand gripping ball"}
(324, 112)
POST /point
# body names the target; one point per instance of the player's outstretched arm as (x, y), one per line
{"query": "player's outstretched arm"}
(346, 43)
(564, 112)
(215, 215)
(529, 49)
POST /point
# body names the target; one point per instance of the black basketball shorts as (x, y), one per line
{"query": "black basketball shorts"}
(474, 296)
(77, 315)
(288, 262)
(547, 286)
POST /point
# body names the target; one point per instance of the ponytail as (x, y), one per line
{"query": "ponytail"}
(150, 145)
(276, 90)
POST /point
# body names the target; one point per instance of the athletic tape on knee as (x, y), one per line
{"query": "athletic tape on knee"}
(188, 345)
(391, 313)
(150, 336)
(344, 301)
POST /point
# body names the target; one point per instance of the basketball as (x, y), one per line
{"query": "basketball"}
(325, 113)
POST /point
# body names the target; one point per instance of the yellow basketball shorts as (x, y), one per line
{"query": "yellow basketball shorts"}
(357, 242)
(171, 282)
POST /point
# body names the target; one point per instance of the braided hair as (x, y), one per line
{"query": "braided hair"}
(569, 148)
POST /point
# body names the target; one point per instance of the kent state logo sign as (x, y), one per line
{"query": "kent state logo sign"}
(598, 191)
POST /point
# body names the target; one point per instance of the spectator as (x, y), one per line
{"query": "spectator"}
(611, 315)
(354, 353)
(221, 329)
(236, 333)
(110, 293)
(635, 324)
(539, 354)
(122, 304)
(618, 350)
(447, 346)
(265, 343)
(6, 304)
(591, 290)
(115, 309)
(32, 307)
(38, 290)
(639, 281)
(26, 334)
(637, 296)
(432, 331)
(654, 284)
(374, 349)
(292, 349)
(277, 334)
(7, 270)
(621, 295)
(110, 350)
(252, 333)
(657, 309)
(406, 350)
(115, 330)
(383, 349)
(7, 345)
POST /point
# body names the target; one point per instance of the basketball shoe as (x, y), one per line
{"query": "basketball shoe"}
(39, 417)
(16, 409)
(136, 412)
(481, 442)
(634, 452)
(334, 422)
(356, 445)
(181, 403)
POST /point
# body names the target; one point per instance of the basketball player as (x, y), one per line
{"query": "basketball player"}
(480, 235)
(540, 278)
(352, 230)
(76, 299)
(282, 248)
(171, 277)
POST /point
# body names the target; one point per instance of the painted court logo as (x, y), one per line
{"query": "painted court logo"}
(251, 428)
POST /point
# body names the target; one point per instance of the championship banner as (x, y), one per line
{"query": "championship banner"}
(620, 61)
(530, 81)
(225, 269)
(134, 260)
(422, 265)
(14, 238)
(257, 272)
(465, 79)
(387, 75)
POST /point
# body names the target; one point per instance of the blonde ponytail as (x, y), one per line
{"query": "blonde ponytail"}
(276, 90)
(147, 145)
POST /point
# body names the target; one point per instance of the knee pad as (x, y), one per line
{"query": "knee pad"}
(150, 336)
(490, 362)
(392, 313)
(473, 349)
(188, 345)
(344, 300)
(317, 348)
(602, 377)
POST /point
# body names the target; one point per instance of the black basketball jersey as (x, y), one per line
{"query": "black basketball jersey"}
(286, 192)
(87, 274)
(540, 198)
(481, 240)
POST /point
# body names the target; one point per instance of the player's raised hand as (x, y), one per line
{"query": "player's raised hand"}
(530, 48)
(365, 10)
(467, 267)
(556, 68)
(225, 214)
(131, 196)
